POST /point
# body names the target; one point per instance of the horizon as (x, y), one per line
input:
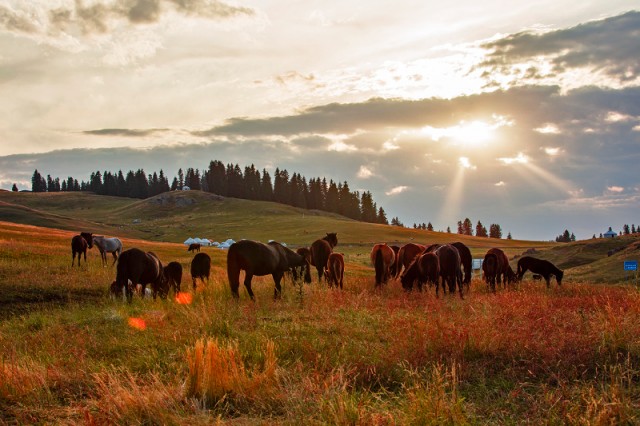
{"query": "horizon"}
(524, 115)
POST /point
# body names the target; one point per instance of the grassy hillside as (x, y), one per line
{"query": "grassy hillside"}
(72, 355)
(176, 216)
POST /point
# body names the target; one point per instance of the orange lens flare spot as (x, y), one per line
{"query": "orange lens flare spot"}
(184, 298)
(137, 323)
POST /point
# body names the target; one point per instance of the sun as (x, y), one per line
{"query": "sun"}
(475, 133)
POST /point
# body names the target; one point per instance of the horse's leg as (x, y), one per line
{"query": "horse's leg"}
(277, 292)
(115, 257)
(73, 258)
(247, 284)
(129, 289)
(547, 279)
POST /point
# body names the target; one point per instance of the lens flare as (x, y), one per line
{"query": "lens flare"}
(183, 298)
(137, 323)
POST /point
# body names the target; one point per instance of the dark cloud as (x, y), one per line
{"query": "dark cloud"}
(98, 16)
(123, 132)
(609, 45)
(530, 106)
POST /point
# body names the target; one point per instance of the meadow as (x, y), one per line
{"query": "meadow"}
(525, 355)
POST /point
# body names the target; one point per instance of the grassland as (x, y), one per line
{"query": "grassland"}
(526, 355)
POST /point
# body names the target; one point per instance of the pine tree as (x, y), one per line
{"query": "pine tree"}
(266, 188)
(509, 236)
(495, 231)
(448, 229)
(481, 231)
(382, 216)
(14, 188)
(429, 227)
(626, 229)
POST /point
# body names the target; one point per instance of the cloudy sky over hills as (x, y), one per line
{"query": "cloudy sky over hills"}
(526, 114)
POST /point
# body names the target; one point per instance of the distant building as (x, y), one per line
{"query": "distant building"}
(609, 234)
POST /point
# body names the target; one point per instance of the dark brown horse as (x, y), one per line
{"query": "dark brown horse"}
(394, 267)
(306, 253)
(466, 260)
(200, 268)
(194, 247)
(173, 277)
(320, 251)
(257, 258)
(335, 270)
(406, 254)
(490, 270)
(79, 245)
(140, 268)
(541, 267)
(424, 269)
(382, 258)
(449, 260)
(502, 274)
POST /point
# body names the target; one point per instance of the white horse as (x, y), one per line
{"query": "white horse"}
(108, 245)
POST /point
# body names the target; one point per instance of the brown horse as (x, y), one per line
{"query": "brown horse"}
(257, 258)
(449, 260)
(466, 260)
(395, 249)
(306, 253)
(382, 258)
(140, 268)
(194, 247)
(79, 245)
(320, 251)
(423, 270)
(335, 270)
(502, 275)
(200, 268)
(406, 254)
(541, 267)
(173, 277)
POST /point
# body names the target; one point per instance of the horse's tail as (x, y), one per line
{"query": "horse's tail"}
(233, 270)
(379, 266)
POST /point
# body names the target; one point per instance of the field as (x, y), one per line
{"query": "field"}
(526, 355)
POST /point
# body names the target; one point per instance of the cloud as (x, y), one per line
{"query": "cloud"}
(501, 183)
(364, 172)
(397, 190)
(610, 46)
(615, 189)
(548, 128)
(102, 16)
(552, 151)
(518, 159)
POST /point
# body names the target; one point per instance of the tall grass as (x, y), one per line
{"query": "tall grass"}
(360, 356)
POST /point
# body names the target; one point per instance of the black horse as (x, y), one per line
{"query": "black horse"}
(449, 260)
(320, 251)
(140, 268)
(539, 266)
(79, 245)
(257, 258)
(200, 268)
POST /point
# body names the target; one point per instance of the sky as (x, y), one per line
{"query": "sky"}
(524, 114)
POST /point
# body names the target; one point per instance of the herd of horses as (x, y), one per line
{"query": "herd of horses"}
(443, 266)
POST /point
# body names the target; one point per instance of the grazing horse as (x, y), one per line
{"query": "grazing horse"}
(335, 270)
(320, 251)
(173, 277)
(257, 258)
(79, 245)
(424, 269)
(141, 268)
(539, 266)
(108, 245)
(395, 249)
(466, 259)
(194, 247)
(490, 270)
(200, 268)
(449, 260)
(502, 275)
(406, 254)
(306, 253)
(382, 258)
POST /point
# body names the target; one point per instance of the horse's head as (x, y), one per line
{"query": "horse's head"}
(559, 276)
(332, 238)
(88, 237)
